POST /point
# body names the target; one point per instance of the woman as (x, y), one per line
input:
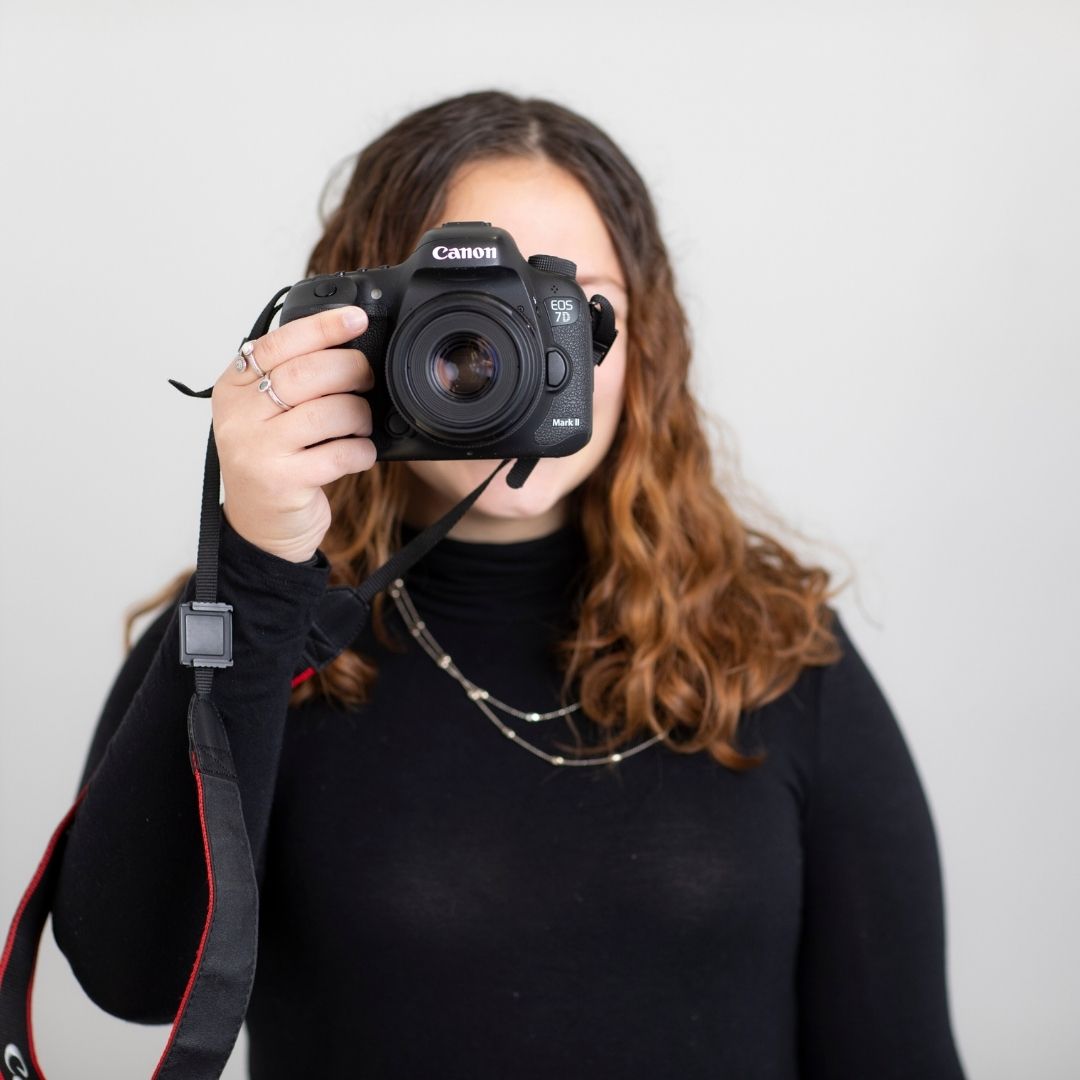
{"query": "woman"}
(742, 882)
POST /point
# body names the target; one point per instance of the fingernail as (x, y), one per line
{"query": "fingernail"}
(355, 318)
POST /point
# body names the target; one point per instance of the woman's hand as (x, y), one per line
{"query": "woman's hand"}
(271, 468)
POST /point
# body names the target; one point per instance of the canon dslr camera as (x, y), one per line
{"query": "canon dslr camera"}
(476, 352)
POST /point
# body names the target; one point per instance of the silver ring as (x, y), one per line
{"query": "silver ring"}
(264, 385)
(246, 356)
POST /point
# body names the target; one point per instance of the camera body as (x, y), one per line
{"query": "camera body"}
(476, 352)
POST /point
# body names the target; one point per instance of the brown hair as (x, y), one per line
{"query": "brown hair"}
(690, 616)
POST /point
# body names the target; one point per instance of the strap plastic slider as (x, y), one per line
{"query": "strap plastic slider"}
(206, 634)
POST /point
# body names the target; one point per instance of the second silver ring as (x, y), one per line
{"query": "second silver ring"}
(265, 386)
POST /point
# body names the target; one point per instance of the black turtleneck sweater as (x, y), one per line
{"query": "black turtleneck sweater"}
(436, 901)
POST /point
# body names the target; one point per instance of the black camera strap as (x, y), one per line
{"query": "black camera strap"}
(215, 1000)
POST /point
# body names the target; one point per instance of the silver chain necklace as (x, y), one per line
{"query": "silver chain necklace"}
(480, 697)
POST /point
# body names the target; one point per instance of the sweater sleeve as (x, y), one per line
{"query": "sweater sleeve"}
(871, 969)
(131, 892)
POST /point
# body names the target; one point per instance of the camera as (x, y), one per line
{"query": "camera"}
(476, 352)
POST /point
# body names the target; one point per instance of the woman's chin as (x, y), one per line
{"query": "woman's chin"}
(446, 483)
(533, 499)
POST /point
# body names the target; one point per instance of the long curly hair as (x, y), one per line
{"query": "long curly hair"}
(689, 616)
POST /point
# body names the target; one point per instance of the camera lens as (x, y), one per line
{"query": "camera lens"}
(465, 365)
(465, 368)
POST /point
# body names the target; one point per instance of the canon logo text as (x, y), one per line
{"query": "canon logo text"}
(443, 252)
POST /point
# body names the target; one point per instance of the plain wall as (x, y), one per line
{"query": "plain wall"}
(872, 210)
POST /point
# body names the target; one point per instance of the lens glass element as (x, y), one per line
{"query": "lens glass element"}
(464, 365)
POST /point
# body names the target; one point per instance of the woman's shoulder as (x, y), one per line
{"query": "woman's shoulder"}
(844, 687)
(835, 720)
(860, 758)
(849, 698)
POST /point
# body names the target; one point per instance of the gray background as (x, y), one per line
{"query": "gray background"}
(873, 213)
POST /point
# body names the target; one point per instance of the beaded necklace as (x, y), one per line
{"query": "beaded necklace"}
(481, 698)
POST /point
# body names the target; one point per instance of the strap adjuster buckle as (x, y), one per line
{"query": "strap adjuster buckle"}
(206, 634)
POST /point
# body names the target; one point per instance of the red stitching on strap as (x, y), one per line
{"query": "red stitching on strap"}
(303, 676)
(211, 900)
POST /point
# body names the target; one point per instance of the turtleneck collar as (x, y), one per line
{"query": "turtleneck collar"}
(481, 581)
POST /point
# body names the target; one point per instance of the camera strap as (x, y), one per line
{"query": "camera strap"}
(212, 1008)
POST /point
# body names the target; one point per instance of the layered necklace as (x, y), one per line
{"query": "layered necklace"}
(483, 699)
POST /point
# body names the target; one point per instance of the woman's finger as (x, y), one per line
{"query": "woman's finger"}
(323, 330)
(314, 421)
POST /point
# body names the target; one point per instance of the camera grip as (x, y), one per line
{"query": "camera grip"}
(339, 290)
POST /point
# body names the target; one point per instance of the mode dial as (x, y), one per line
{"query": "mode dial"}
(552, 265)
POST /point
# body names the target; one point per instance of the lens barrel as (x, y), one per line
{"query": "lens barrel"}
(464, 368)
